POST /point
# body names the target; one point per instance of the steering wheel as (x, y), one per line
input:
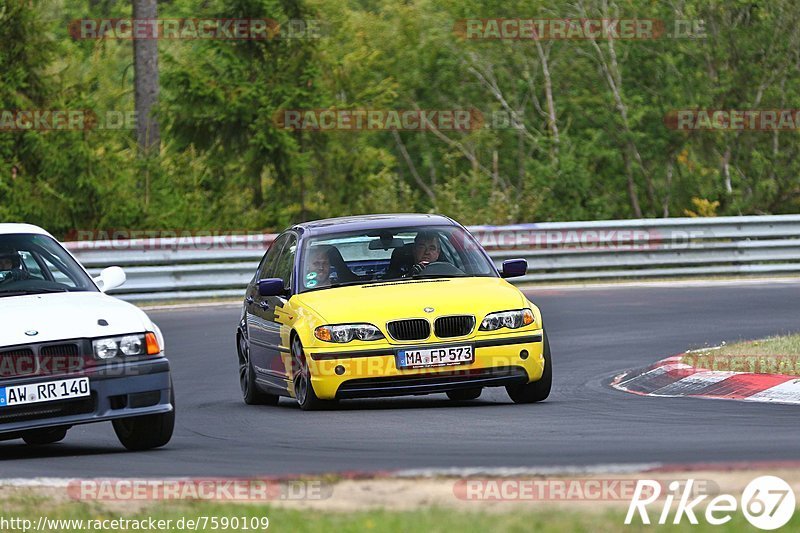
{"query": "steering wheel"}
(16, 274)
(442, 268)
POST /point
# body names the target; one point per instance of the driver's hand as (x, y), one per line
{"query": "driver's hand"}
(19, 275)
(419, 267)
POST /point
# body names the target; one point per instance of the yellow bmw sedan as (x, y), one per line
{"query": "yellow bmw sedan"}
(387, 305)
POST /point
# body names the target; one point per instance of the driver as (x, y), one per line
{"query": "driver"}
(11, 266)
(426, 250)
(412, 259)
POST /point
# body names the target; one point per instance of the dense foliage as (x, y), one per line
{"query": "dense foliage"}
(590, 140)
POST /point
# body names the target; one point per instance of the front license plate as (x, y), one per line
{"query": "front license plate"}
(44, 392)
(452, 355)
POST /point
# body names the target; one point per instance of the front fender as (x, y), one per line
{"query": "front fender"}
(304, 329)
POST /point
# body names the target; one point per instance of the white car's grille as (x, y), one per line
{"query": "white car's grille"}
(43, 359)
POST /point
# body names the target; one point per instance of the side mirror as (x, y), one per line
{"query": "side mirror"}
(271, 287)
(513, 268)
(110, 278)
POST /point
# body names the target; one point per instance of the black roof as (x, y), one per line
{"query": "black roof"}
(366, 222)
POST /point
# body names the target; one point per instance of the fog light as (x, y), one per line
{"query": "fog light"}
(523, 354)
(339, 370)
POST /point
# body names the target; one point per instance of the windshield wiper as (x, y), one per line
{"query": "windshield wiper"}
(334, 285)
(21, 292)
(341, 284)
(423, 275)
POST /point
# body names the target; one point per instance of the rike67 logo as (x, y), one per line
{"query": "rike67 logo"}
(768, 502)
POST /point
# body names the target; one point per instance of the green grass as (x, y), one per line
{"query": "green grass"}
(445, 520)
(773, 355)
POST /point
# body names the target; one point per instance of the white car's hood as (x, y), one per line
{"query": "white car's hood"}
(67, 315)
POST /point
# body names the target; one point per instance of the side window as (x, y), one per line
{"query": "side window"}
(283, 268)
(267, 267)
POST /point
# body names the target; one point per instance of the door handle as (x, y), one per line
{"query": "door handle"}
(249, 300)
(263, 305)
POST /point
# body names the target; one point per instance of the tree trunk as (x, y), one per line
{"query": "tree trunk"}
(145, 67)
(552, 122)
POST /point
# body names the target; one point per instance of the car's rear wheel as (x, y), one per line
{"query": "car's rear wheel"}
(40, 437)
(251, 394)
(464, 394)
(146, 432)
(301, 377)
(538, 390)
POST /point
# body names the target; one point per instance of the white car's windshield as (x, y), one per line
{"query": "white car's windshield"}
(31, 264)
(370, 256)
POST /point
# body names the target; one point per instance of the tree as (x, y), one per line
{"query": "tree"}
(145, 67)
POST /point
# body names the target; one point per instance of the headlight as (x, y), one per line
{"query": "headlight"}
(348, 332)
(128, 345)
(132, 345)
(507, 319)
(105, 348)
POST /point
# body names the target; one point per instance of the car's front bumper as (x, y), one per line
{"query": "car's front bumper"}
(119, 391)
(499, 360)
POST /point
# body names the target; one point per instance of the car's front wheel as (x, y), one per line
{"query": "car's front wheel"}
(538, 390)
(303, 389)
(40, 437)
(145, 432)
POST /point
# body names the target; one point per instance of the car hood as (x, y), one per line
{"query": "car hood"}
(378, 303)
(67, 315)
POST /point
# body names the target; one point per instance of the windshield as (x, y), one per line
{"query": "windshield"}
(370, 256)
(32, 264)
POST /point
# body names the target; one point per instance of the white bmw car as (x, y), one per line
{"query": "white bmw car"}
(70, 354)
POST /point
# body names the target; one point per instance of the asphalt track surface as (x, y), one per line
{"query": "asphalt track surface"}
(594, 335)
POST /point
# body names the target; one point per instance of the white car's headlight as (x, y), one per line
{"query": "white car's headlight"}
(507, 319)
(105, 348)
(127, 345)
(347, 332)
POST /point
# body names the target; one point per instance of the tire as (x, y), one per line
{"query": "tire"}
(301, 377)
(251, 394)
(462, 395)
(538, 390)
(139, 433)
(40, 437)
